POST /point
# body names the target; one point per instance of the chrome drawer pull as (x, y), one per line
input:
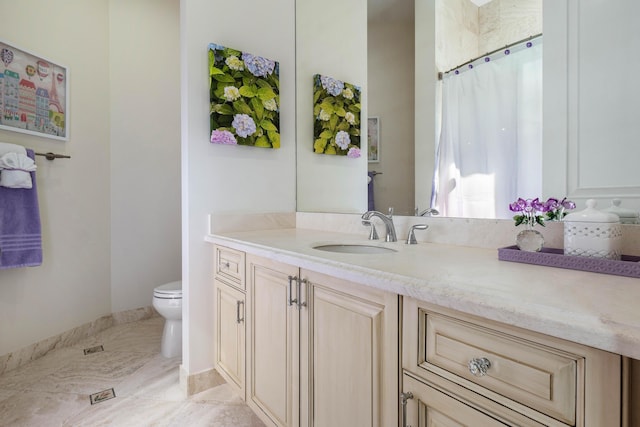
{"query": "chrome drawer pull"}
(299, 294)
(238, 318)
(479, 366)
(404, 397)
(292, 301)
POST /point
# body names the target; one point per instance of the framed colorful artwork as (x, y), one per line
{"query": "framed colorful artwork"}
(336, 113)
(373, 139)
(244, 90)
(34, 94)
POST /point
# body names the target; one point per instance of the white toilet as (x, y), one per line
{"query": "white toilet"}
(167, 300)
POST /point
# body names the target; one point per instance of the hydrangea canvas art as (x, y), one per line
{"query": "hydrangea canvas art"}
(245, 102)
(336, 112)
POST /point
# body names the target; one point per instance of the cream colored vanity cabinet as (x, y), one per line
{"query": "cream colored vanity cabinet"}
(458, 366)
(273, 341)
(230, 299)
(321, 351)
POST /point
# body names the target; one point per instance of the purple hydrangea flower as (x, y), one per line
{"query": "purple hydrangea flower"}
(354, 152)
(223, 137)
(257, 65)
(244, 125)
(342, 139)
(333, 86)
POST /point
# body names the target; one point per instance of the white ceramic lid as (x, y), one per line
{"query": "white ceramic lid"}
(621, 212)
(591, 214)
(171, 288)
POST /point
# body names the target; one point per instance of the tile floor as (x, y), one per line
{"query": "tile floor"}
(55, 390)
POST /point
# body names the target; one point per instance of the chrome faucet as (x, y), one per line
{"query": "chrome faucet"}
(388, 223)
(373, 234)
(427, 212)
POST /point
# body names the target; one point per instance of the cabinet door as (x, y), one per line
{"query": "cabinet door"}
(349, 354)
(230, 335)
(272, 389)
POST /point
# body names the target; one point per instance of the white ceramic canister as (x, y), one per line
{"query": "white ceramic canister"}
(627, 216)
(593, 233)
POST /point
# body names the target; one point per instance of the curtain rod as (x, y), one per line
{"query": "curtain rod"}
(507, 46)
(51, 156)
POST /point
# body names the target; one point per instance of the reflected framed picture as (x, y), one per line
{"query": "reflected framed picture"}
(373, 139)
(34, 93)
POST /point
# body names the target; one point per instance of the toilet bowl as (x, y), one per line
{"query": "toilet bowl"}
(167, 300)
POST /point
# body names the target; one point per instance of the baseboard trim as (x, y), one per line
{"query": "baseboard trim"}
(71, 337)
(200, 381)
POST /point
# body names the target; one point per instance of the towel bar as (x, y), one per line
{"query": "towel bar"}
(51, 156)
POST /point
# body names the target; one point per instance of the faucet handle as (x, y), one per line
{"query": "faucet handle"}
(390, 212)
(411, 238)
(373, 235)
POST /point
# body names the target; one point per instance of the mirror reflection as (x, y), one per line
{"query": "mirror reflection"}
(588, 137)
(484, 159)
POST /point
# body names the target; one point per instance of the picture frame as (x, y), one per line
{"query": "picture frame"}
(244, 95)
(336, 112)
(373, 139)
(34, 94)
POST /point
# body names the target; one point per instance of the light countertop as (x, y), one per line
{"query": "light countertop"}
(599, 310)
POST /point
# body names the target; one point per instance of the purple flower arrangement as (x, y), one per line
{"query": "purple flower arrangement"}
(532, 211)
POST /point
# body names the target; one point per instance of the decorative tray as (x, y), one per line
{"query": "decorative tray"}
(628, 266)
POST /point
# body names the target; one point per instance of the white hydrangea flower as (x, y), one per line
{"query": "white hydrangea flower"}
(270, 104)
(235, 63)
(324, 116)
(231, 93)
(350, 118)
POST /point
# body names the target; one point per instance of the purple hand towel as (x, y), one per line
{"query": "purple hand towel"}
(370, 203)
(20, 233)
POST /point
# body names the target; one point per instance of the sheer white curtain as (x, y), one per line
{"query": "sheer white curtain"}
(490, 147)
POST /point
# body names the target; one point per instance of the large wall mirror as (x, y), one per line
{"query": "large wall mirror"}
(588, 133)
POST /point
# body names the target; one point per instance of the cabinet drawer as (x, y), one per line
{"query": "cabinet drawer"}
(430, 407)
(535, 375)
(229, 266)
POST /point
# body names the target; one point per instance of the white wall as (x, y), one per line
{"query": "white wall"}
(227, 179)
(425, 126)
(391, 70)
(145, 149)
(110, 214)
(330, 183)
(73, 284)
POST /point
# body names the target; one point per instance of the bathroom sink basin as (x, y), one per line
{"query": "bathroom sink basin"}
(353, 248)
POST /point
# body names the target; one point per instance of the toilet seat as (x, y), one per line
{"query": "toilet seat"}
(171, 290)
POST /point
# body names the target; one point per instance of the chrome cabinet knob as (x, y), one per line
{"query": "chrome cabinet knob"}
(479, 366)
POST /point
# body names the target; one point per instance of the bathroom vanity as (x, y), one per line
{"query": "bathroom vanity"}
(427, 334)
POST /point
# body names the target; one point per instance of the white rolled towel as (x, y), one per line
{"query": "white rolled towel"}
(14, 170)
(5, 148)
